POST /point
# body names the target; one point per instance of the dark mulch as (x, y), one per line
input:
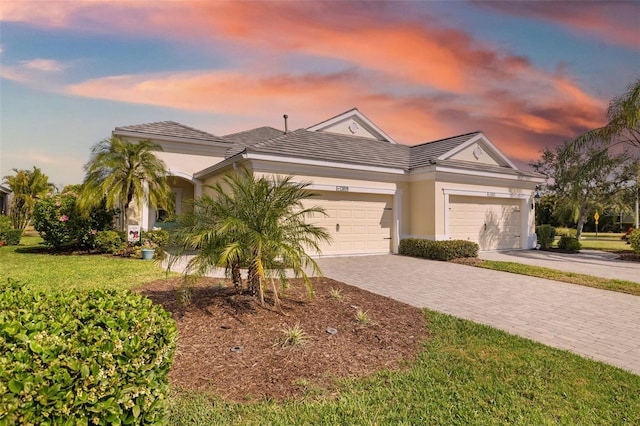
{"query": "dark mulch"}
(230, 345)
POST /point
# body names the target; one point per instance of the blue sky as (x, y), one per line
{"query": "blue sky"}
(529, 74)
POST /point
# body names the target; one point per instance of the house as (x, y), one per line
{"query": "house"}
(375, 190)
(5, 197)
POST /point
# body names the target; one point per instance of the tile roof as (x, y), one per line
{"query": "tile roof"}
(171, 129)
(241, 140)
(458, 164)
(325, 146)
(426, 153)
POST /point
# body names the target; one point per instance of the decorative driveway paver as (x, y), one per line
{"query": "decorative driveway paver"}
(599, 324)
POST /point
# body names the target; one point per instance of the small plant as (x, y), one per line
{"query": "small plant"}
(569, 244)
(293, 336)
(362, 317)
(546, 234)
(634, 240)
(183, 295)
(149, 245)
(336, 294)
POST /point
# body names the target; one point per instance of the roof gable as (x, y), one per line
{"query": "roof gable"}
(472, 148)
(352, 123)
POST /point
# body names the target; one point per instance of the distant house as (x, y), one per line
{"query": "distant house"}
(374, 190)
(5, 197)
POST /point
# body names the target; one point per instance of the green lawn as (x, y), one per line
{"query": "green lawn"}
(620, 286)
(48, 272)
(467, 373)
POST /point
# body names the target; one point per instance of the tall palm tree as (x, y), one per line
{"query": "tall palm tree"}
(623, 115)
(254, 223)
(125, 174)
(27, 186)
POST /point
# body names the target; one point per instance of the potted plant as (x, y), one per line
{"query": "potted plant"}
(148, 250)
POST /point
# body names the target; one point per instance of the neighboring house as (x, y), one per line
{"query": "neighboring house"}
(5, 199)
(374, 190)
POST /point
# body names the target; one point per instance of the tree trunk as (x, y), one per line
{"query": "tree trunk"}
(236, 276)
(582, 217)
(254, 283)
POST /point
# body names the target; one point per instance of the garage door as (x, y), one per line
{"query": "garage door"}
(493, 223)
(358, 223)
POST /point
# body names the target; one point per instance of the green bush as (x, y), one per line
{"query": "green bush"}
(634, 240)
(79, 358)
(159, 237)
(109, 242)
(569, 243)
(8, 235)
(438, 250)
(546, 234)
(565, 232)
(58, 221)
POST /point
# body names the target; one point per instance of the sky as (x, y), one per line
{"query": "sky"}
(529, 75)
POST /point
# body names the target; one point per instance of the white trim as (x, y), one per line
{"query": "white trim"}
(397, 220)
(479, 137)
(508, 176)
(352, 189)
(483, 194)
(322, 163)
(350, 114)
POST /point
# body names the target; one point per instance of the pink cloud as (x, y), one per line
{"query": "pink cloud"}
(615, 21)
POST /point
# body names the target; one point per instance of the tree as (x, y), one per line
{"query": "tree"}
(125, 174)
(27, 186)
(581, 176)
(253, 223)
(623, 115)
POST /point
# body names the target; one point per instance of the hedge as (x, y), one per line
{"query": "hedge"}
(634, 240)
(569, 244)
(79, 358)
(546, 234)
(10, 237)
(438, 250)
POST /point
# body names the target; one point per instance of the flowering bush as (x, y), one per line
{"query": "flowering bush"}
(57, 220)
(149, 245)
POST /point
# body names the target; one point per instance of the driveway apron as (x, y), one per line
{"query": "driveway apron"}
(594, 323)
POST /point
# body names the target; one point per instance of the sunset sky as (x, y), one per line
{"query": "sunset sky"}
(528, 74)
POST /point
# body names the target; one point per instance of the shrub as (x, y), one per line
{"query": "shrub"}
(97, 357)
(634, 240)
(8, 235)
(109, 242)
(569, 243)
(546, 234)
(565, 232)
(58, 221)
(438, 250)
(159, 237)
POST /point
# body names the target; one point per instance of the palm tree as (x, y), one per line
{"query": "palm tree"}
(253, 223)
(125, 173)
(623, 115)
(27, 186)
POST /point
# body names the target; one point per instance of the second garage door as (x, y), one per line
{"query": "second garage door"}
(358, 223)
(493, 223)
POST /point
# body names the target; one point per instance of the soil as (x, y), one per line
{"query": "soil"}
(233, 346)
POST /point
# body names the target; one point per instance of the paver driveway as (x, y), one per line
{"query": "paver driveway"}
(595, 323)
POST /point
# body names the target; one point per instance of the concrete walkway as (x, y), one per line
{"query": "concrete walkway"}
(590, 262)
(598, 324)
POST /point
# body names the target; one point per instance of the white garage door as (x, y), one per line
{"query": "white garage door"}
(493, 223)
(358, 223)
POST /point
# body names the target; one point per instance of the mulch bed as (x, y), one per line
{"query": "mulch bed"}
(232, 346)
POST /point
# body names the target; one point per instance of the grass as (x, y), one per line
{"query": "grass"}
(467, 374)
(605, 244)
(620, 286)
(53, 272)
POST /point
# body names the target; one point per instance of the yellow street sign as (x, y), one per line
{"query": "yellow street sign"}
(596, 217)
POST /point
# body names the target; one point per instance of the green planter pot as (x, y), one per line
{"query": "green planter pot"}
(147, 254)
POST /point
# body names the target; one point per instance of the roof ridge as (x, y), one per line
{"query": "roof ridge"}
(252, 130)
(446, 139)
